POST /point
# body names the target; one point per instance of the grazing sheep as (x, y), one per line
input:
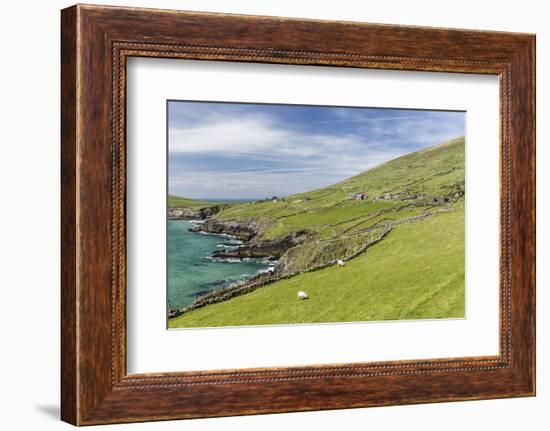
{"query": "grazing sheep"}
(302, 295)
(341, 262)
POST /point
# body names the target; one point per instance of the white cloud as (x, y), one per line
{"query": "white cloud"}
(240, 135)
(255, 135)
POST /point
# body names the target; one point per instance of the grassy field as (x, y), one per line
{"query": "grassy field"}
(179, 202)
(416, 272)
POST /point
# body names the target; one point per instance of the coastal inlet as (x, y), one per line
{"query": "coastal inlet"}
(193, 268)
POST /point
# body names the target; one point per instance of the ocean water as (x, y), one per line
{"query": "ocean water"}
(191, 269)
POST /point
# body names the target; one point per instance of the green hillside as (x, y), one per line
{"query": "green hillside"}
(416, 272)
(411, 182)
(400, 228)
(179, 202)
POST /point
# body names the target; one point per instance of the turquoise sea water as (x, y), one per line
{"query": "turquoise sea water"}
(191, 269)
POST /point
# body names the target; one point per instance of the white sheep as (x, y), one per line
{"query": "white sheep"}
(302, 295)
(341, 262)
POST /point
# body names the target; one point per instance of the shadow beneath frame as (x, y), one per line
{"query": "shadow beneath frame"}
(52, 411)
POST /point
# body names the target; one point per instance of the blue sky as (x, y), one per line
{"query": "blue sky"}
(253, 151)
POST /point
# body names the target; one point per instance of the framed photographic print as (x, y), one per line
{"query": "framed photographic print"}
(268, 215)
(286, 200)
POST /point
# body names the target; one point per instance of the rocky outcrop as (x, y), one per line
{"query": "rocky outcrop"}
(248, 230)
(211, 211)
(261, 249)
(184, 213)
(244, 230)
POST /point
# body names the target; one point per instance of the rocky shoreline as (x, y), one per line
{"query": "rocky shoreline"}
(261, 280)
(184, 213)
(245, 231)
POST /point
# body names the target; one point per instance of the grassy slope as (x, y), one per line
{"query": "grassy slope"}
(179, 202)
(417, 271)
(435, 172)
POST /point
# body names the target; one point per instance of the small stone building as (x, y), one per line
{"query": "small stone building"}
(357, 196)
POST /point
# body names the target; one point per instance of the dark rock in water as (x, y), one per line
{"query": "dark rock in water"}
(264, 249)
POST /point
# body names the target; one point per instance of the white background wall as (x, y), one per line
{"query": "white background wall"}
(29, 215)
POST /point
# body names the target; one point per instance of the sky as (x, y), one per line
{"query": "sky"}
(254, 151)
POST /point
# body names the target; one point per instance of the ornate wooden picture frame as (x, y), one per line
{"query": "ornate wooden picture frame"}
(96, 41)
